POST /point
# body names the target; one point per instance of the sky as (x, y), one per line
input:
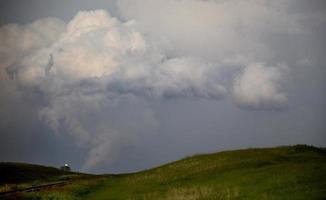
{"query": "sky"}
(113, 86)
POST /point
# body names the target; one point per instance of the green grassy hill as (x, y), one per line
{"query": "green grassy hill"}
(14, 173)
(296, 172)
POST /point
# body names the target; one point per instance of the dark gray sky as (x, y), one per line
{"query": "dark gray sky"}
(130, 84)
(27, 11)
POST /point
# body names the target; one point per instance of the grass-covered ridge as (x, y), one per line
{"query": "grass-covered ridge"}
(13, 173)
(20, 176)
(296, 172)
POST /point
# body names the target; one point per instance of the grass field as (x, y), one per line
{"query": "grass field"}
(297, 172)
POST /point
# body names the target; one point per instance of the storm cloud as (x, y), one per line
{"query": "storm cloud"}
(105, 81)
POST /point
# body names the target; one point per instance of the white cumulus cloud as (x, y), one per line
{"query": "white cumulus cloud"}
(260, 87)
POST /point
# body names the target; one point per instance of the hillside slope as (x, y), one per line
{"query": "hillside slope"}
(297, 172)
(15, 173)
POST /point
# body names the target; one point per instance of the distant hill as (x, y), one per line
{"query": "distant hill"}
(14, 173)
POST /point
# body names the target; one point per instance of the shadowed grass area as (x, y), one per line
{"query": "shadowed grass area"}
(297, 172)
(13, 173)
(17, 176)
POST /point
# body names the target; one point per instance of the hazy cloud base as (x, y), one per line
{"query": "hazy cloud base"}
(101, 80)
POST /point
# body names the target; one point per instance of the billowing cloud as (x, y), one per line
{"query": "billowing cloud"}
(96, 63)
(259, 86)
(95, 78)
(221, 31)
(98, 46)
(20, 41)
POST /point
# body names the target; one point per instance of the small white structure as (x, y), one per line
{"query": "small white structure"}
(65, 168)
